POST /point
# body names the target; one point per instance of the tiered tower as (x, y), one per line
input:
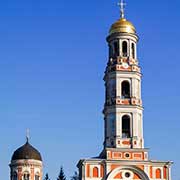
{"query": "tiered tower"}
(26, 163)
(124, 155)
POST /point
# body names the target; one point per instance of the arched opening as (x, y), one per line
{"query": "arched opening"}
(111, 121)
(95, 172)
(158, 174)
(26, 176)
(126, 127)
(116, 48)
(124, 49)
(37, 176)
(14, 176)
(133, 50)
(112, 143)
(112, 89)
(125, 89)
(110, 51)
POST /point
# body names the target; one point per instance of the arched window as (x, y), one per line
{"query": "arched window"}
(95, 172)
(111, 119)
(124, 49)
(133, 50)
(158, 174)
(125, 89)
(14, 176)
(112, 88)
(126, 130)
(37, 177)
(26, 176)
(110, 51)
(116, 48)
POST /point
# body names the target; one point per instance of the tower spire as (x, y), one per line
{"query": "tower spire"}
(121, 4)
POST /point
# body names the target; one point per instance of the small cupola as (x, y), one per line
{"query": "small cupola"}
(27, 151)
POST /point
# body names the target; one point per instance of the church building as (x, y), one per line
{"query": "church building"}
(124, 155)
(26, 163)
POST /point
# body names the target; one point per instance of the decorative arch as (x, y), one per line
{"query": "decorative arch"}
(158, 173)
(95, 172)
(134, 169)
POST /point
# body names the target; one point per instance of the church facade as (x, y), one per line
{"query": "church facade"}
(124, 155)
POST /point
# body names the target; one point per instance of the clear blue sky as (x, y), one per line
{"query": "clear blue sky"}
(53, 55)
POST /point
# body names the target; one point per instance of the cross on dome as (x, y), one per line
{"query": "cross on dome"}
(27, 135)
(122, 5)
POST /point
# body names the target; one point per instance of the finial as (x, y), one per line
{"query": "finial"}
(27, 135)
(121, 4)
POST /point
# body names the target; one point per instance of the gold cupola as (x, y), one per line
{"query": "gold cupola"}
(122, 25)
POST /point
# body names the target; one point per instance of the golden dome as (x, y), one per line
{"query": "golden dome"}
(122, 26)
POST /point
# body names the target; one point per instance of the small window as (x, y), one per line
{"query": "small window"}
(124, 49)
(125, 89)
(133, 50)
(112, 88)
(26, 176)
(158, 174)
(112, 120)
(127, 174)
(95, 172)
(126, 130)
(36, 177)
(112, 126)
(110, 51)
(116, 48)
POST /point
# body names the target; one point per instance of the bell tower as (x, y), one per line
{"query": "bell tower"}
(123, 111)
(124, 156)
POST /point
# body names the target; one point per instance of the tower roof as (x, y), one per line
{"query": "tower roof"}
(27, 151)
(122, 26)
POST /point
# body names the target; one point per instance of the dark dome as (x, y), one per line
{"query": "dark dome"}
(26, 152)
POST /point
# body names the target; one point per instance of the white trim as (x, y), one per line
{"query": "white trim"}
(133, 169)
